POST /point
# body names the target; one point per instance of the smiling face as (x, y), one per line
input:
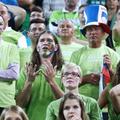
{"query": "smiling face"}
(72, 109)
(12, 116)
(46, 45)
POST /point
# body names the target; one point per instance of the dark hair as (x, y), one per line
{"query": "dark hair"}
(116, 77)
(37, 21)
(82, 6)
(36, 9)
(57, 57)
(15, 109)
(71, 96)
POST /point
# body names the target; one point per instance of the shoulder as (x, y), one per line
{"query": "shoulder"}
(55, 103)
(88, 99)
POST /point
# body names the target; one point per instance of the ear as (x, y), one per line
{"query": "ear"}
(80, 81)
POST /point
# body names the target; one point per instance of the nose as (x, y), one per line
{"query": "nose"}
(71, 110)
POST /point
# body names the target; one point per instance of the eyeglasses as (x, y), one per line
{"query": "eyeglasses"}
(70, 73)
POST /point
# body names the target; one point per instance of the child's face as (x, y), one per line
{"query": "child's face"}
(72, 110)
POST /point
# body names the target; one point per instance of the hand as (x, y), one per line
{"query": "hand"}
(75, 116)
(91, 78)
(107, 60)
(31, 72)
(49, 71)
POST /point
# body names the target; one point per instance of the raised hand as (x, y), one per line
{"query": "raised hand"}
(107, 60)
(31, 72)
(49, 71)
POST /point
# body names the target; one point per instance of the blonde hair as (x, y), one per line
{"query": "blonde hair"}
(15, 109)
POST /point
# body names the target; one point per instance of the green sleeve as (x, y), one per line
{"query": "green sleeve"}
(50, 113)
(95, 111)
(20, 82)
(74, 57)
(14, 55)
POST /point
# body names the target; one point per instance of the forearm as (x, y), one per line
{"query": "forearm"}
(11, 73)
(19, 14)
(56, 89)
(115, 98)
(24, 96)
(91, 78)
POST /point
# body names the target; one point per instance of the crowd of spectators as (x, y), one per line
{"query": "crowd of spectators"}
(51, 54)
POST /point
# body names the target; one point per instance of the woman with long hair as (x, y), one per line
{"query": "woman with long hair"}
(72, 108)
(34, 86)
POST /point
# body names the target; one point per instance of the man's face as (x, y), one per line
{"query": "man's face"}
(4, 14)
(71, 78)
(36, 15)
(35, 31)
(94, 34)
(46, 45)
(71, 3)
(65, 29)
(112, 4)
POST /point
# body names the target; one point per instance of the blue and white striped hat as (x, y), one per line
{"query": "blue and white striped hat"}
(96, 15)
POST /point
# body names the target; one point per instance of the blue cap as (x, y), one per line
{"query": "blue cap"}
(96, 15)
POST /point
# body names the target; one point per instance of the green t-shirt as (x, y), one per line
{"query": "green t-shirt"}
(12, 36)
(111, 113)
(8, 54)
(26, 23)
(41, 95)
(90, 60)
(59, 15)
(25, 55)
(91, 108)
(67, 50)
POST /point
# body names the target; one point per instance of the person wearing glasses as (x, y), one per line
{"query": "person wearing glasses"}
(34, 87)
(71, 79)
